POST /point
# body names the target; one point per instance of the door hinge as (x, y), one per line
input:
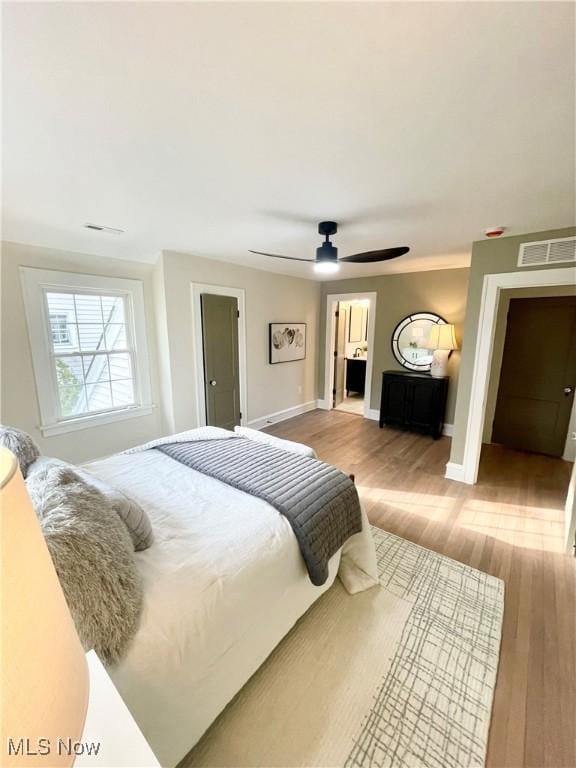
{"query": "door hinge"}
(237, 313)
(335, 353)
(334, 392)
(240, 414)
(337, 313)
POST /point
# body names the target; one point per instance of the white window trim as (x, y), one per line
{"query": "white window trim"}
(34, 284)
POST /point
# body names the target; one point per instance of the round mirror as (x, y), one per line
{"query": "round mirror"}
(410, 338)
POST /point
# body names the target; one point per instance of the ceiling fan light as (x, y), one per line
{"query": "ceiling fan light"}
(327, 252)
(326, 267)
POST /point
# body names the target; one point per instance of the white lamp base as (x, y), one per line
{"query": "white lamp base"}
(439, 367)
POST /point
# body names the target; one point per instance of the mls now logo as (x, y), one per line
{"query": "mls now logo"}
(29, 747)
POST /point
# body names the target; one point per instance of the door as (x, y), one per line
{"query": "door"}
(421, 396)
(393, 405)
(340, 325)
(221, 368)
(538, 375)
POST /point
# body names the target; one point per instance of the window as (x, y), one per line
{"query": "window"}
(59, 329)
(85, 333)
(94, 372)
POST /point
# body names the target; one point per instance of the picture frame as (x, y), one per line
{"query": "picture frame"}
(286, 342)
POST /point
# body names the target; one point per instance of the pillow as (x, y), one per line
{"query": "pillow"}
(277, 442)
(131, 513)
(21, 445)
(93, 557)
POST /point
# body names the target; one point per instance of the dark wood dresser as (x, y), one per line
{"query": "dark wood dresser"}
(415, 401)
(355, 375)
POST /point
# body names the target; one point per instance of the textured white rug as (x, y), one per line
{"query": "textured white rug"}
(401, 675)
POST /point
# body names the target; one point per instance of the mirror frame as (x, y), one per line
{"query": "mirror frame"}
(404, 323)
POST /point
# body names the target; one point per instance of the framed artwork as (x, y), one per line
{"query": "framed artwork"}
(286, 342)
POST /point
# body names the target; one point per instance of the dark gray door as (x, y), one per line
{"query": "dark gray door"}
(538, 375)
(221, 369)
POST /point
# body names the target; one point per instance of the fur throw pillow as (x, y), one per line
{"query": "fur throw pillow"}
(93, 556)
(21, 445)
(128, 510)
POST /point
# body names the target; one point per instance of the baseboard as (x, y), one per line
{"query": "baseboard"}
(287, 413)
(455, 472)
(448, 430)
(323, 405)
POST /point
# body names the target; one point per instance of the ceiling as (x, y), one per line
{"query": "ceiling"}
(212, 128)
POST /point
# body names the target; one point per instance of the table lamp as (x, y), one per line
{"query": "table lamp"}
(43, 670)
(442, 340)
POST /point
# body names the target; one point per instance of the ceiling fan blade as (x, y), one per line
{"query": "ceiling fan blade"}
(277, 256)
(370, 256)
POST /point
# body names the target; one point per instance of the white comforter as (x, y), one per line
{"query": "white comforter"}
(224, 582)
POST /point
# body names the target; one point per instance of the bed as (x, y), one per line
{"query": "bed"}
(224, 582)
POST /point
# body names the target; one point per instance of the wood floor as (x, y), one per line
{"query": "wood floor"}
(510, 525)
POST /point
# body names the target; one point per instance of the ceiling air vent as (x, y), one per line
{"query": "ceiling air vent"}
(560, 251)
(103, 228)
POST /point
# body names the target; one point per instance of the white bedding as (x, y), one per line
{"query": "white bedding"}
(224, 582)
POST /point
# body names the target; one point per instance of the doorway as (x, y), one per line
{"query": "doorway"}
(538, 375)
(349, 352)
(219, 355)
(220, 351)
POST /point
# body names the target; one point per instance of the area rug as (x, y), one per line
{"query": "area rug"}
(402, 675)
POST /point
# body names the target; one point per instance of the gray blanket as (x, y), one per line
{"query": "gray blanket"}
(320, 502)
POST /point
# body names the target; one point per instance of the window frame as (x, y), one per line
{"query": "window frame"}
(36, 283)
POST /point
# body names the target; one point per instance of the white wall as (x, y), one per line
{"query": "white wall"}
(19, 402)
(270, 297)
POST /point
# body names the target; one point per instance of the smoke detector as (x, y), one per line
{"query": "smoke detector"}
(103, 228)
(494, 231)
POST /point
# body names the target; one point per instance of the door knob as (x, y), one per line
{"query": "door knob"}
(212, 382)
(568, 390)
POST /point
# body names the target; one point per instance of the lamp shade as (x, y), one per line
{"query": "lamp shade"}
(43, 671)
(442, 336)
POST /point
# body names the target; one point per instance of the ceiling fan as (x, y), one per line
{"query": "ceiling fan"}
(327, 260)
